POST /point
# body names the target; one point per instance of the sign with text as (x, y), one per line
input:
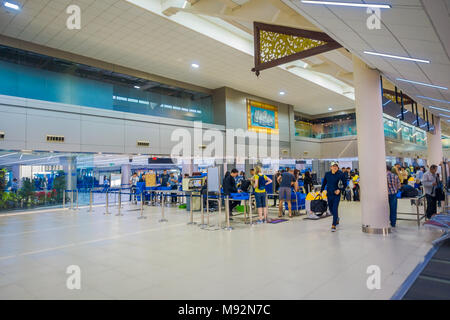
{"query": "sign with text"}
(262, 117)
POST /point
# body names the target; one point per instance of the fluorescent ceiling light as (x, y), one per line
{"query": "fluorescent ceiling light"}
(282, 93)
(422, 84)
(11, 5)
(349, 4)
(440, 109)
(432, 99)
(137, 87)
(395, 57)
(195, 65)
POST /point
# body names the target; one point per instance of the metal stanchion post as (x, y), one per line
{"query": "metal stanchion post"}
(142, 207)
(207, 208)
(64, 199)
(227, 213)
(163, 219)
(191, 218)
(90, 200)
(250, 209)
(120, 203)
(77, 200)
(219, 202)
(71, 201)
(202, 225)
(107, 202)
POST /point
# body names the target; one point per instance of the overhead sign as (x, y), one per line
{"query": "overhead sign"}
(262, 117)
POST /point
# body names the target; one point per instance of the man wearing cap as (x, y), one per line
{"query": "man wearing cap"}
(334, 182)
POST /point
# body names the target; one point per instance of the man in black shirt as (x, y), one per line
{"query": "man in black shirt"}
(229, 187)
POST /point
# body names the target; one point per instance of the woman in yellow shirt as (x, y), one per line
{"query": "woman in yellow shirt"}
(260, 182)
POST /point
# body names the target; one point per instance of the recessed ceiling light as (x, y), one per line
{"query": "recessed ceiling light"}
(396, 57)
(432, 99)
(195, 65)
(349, 4)
(422, 84)
(137, 87)
(11, 5)
(330, 109)
(282, 93)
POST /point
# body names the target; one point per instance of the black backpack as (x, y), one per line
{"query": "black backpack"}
(245, 184)
(409, 192)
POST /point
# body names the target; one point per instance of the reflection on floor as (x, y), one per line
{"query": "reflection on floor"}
(122, 257)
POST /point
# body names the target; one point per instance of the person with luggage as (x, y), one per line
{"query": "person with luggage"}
(260, 183)
(334, 182)
(286, 181)
(393, 183)
(430, 181)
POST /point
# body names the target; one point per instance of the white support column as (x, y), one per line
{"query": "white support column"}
(125, 170)
(371, 149)
(434, 142)
(70, 170)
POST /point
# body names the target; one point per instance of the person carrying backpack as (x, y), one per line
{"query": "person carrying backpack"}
(286, 181)
(260, 183)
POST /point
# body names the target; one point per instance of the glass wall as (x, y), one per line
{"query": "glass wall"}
(28, 75)
(390, 128)
(338, 126)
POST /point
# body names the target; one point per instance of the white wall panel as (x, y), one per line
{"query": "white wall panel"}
(102, 134)
(141, 131)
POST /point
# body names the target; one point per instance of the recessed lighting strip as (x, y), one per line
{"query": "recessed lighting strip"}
(422, 84)
(440, 109)
(349, 4)
(396, 57)
(432, 99)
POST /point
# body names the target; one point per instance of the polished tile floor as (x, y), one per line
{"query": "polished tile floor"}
(122, 257)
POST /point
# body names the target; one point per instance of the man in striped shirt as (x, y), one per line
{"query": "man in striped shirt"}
(393, 183)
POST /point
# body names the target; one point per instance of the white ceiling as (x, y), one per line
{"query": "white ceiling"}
(412, 28)
(118, 32)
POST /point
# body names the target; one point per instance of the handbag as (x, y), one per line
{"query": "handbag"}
(439, 191)
(318, 205)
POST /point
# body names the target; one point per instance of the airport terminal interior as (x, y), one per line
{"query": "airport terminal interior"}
(224, 149)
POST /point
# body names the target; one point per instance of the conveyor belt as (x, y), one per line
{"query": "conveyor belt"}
(433, 283)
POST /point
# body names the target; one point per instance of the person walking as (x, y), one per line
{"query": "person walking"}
(334, 182)
(260, 183)
(430, 181)
(286, 181)
(393, 183)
